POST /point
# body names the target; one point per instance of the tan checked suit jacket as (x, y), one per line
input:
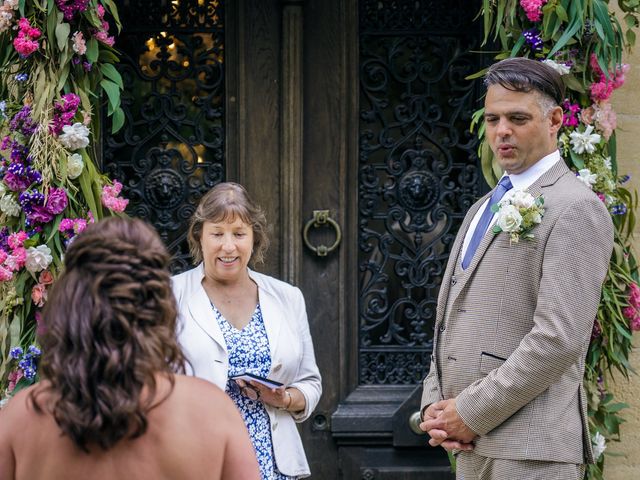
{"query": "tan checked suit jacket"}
(512, 331)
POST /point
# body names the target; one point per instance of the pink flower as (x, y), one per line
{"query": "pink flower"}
(16, 260)
(46, 278)
(110, 198)
(16, 240)
(5, 274)
(25, 42)
(570, 117)
(79, 225)
(601, 91)
(104, 37)
(57, 201)
(39, 294)
(79, 43)
(606, 119)
(587, 115)
(65, 224)
(3, 256)
(14, 378)
(533, 9)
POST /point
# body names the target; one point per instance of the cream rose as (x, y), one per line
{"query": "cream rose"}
(522, 199)
(509, 218)
(74, 166)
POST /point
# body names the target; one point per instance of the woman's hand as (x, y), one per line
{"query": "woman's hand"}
(290, 399)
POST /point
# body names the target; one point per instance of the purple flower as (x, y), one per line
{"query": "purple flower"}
(30, 199)
(22, 77)
(40, 214)
(619, 209)
(69, 8)
(532, 38)
(34, 351)
(57, 201)
(16, 353)
(20, 177)
(23, 123)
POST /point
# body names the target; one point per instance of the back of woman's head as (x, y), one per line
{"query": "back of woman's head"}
(109, 329)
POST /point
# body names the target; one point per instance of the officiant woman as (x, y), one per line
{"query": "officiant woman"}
(235, 320)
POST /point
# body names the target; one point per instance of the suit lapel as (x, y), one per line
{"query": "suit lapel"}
(548, 178)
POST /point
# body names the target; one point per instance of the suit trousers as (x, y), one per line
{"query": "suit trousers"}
(471, 466)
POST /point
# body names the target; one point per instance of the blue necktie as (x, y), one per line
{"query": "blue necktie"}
(503, 187)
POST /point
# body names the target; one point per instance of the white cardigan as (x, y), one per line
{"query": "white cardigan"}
(292, 358)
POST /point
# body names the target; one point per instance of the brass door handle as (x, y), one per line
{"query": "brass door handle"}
(321, 218)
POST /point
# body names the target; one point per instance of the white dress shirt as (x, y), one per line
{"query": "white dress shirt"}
(520, 181)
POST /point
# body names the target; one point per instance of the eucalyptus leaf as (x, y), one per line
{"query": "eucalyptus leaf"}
(113, 93)
(109, 71)
(92, 50)
(62, 35)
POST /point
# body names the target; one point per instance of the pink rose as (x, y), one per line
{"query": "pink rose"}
(46, 278)
(39, 294)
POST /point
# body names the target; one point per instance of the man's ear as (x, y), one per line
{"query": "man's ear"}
(555, 117)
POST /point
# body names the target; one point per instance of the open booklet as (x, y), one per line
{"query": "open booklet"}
(247, 376)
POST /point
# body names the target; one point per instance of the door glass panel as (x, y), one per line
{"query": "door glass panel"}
(171, 148)
(418, 173)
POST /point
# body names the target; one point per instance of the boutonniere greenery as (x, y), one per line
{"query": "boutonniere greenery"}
(518, 212)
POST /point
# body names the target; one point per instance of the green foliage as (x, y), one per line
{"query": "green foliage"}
(57, 71)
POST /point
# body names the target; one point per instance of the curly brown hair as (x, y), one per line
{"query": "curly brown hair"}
(226, 201)
(110, 326)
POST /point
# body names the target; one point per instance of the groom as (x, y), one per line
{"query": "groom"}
(514, 319)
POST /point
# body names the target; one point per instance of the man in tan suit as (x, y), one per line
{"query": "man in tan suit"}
(514, 319)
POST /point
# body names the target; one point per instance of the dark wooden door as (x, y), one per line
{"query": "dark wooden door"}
(388, 153)
(357, 108)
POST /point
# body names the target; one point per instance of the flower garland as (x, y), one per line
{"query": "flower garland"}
(57, 59)
(584, 42)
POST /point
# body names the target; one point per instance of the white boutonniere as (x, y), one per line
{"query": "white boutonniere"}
(518, 212)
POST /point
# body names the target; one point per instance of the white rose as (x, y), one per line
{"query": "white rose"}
(509, 218)
(522, 199)
(74, 166)
(38, 258)
(74, 136)
(586, 177)
(9, 206)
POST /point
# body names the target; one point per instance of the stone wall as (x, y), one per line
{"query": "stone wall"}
(626, 103)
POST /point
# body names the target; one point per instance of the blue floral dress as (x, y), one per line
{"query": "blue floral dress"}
(248, 351)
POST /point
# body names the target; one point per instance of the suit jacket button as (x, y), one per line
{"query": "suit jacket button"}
(442, 328)
(454, 280)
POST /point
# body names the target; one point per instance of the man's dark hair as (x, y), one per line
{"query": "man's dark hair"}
(521, 74)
